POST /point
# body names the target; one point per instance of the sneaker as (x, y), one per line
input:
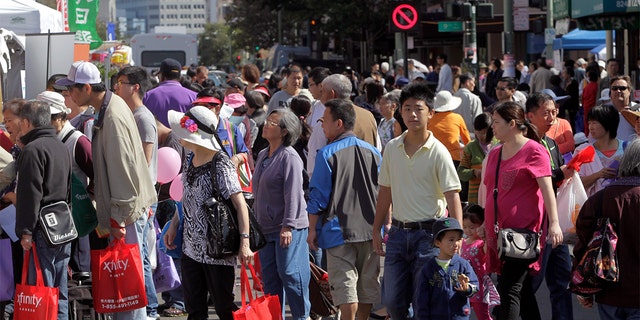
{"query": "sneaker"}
(174, 312)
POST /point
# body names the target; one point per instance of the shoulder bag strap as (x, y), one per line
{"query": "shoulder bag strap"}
(214, 181)
(68, 135)
(495, 193)
(64, 140)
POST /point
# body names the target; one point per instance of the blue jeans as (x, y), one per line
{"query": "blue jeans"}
(135, 235)
(406, 253)
(149, 286)
(285, 271)
(608, 312)
(54, 262)
(556, 270)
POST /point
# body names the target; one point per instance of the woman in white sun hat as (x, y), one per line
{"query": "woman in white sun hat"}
(449, 127)
(202, 274)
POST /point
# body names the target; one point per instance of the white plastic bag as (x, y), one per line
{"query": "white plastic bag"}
(571, 197)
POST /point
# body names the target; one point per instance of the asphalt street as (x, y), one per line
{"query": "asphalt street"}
(542, 296)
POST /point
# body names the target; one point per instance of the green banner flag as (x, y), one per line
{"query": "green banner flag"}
(82, 21)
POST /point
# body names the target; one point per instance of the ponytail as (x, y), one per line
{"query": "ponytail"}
(531, 131)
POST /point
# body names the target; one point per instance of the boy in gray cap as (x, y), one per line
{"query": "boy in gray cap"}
(447, 281)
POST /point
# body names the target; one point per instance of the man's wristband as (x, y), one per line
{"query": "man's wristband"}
(244, 236)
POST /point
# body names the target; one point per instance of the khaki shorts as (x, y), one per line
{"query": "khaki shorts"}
(354, 273)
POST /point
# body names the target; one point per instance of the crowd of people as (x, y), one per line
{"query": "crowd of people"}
(420, 167)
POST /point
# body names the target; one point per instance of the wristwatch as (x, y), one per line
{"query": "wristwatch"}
(244, 235)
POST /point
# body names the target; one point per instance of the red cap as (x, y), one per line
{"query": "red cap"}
(262, 90)
(206, 100)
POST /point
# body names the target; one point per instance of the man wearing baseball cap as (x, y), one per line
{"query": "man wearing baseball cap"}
(124, 190)
(169, 94)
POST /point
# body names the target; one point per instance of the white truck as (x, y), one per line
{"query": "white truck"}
(149, 49)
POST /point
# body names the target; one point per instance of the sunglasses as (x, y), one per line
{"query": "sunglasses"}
(619, 88)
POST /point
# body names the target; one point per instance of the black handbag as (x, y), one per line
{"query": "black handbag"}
(57, 224)
(514, 244)
(223, 233)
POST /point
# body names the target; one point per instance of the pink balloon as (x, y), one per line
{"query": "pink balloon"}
(169, 164)
(176, 188)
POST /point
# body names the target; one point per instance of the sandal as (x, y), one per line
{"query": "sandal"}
(174, 312)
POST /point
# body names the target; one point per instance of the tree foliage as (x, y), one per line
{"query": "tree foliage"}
(215, 45)
(256, 21)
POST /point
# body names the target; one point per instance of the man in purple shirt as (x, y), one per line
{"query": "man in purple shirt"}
(169, 94)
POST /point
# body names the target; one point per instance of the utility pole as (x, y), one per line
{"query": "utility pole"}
(508, 39)
(280, 26)
(472, 44)
(549, 47)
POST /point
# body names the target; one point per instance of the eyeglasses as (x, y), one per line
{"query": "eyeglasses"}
(119, 83)
(619, 88)
(270, 123)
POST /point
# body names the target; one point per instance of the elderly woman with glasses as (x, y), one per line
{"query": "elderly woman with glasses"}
(281, 211)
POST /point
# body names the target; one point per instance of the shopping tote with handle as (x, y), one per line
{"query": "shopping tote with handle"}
(118, 283)
(34, 302)
(266, 307)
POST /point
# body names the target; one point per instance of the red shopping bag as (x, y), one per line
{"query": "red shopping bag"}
(34, 302)
(118, 283)
(266, 307)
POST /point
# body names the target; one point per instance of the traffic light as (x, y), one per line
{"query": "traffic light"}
(239, 58)
(257, 48)
(313, 22)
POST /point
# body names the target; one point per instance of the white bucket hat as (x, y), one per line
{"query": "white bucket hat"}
(445, 101)
(55, 101)
(197, 126)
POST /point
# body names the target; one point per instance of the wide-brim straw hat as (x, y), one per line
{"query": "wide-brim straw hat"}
(198, 126)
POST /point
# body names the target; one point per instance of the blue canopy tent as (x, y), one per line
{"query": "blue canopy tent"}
(580, 40)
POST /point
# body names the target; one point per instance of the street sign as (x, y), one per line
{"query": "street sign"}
(520, 19)
(549, 35)
(405, 17)
(450, 26)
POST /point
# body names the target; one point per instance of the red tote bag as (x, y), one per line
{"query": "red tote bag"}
(118, 283)
(34, 302)
(266, 307)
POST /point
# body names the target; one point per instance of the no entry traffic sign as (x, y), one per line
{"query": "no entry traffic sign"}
(404, 17)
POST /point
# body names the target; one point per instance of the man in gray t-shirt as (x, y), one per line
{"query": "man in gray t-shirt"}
(132, 83)
(293, 87)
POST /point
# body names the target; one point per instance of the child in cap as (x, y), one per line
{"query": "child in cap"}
(447, 280)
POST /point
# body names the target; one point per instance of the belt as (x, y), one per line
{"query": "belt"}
(417, 225)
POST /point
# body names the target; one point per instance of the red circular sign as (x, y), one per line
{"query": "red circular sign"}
(404, 16)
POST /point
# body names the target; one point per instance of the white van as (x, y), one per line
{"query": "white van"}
(149, 49)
